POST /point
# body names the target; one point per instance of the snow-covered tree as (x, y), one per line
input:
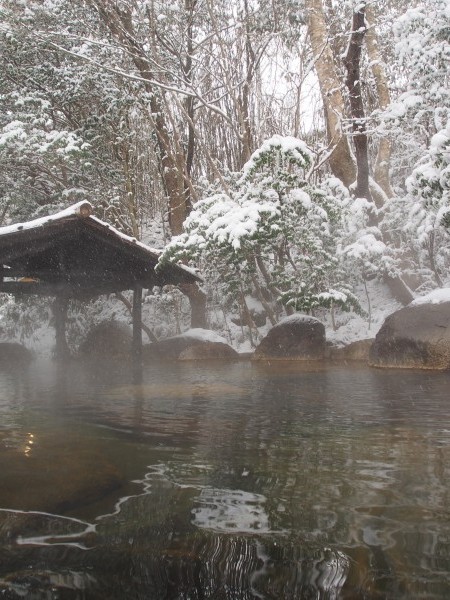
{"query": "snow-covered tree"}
(43, 154)
(422, 52)
(69, 129)
(428, 190)
(272, 234)
(417, 122)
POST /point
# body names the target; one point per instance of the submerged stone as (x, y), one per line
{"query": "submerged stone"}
(50, 473)
(298, 337)
(417, 336)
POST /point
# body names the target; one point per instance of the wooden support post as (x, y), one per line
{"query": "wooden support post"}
(137, 323)
(60, 316)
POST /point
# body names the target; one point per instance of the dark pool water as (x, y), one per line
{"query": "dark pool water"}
(224, 481)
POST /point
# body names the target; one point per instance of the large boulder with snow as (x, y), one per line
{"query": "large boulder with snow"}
(296, 337)
(108, 339)
(417, 336)
(194, 344)
(208, 351)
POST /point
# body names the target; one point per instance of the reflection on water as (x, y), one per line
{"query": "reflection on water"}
(230, 510)
(229, 481)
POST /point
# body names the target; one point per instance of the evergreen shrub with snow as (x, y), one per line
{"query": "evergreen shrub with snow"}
(271, 234)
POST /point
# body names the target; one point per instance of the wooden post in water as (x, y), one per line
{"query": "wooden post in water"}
(59, 308)
(137, 324)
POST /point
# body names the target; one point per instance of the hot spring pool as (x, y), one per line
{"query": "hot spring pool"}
(224, 481)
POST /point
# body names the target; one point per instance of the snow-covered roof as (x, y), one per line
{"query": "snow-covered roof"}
(82, 209)
(73, 252)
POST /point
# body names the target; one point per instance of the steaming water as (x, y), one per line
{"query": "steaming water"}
(224, 481)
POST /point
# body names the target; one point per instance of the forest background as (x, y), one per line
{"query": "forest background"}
(296, 152)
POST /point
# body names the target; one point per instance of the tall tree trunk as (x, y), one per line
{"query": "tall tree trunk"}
(382, 164)
(197, 301)
(59, 309)
(172, 159)
(352, 61)
(341, 160)
(244, 97)
(189, 6)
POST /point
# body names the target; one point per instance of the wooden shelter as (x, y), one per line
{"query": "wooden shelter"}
(74, 255)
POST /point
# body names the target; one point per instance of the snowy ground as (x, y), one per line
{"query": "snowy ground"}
(377, 302)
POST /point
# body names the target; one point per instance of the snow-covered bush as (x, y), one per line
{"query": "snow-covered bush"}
(272, 234)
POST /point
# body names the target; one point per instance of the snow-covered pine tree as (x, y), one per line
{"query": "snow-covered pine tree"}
(273, 234)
